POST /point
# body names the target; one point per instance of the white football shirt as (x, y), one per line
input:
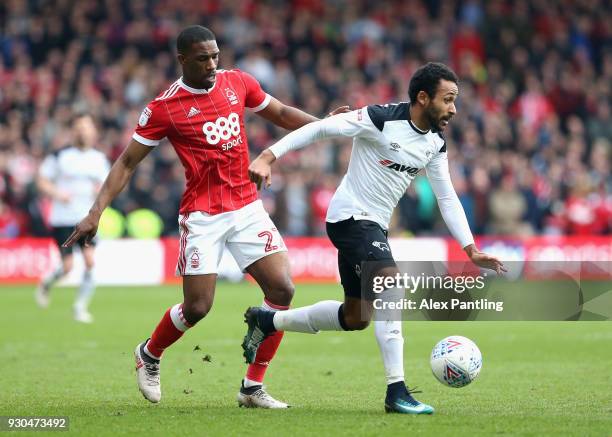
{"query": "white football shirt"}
(388, 152)
(78, 173)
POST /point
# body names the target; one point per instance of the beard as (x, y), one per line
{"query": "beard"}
(434, 119)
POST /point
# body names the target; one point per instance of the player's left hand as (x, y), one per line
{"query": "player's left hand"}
(481, 259)
(340, 110)
(260, 170)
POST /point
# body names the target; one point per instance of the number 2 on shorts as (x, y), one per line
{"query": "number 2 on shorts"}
(269, 235)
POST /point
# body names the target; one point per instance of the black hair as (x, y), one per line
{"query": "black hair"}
(193, 34)
(427, 78)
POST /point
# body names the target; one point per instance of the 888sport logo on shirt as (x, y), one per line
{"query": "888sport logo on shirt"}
(222, 129)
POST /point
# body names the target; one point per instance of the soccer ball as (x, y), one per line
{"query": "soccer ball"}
(456, 361)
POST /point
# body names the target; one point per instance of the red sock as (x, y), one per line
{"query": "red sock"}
(170, 328)
(257, 370)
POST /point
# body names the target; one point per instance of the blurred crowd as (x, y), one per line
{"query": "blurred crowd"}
(530, 148)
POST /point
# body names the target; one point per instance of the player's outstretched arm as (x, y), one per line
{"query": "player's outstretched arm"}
(289, 117)
(119, 175)
(454, 215)
(346, 124)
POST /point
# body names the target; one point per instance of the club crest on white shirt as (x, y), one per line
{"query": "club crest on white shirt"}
(144, 117)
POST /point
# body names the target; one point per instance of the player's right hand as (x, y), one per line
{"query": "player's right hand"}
(86, 229)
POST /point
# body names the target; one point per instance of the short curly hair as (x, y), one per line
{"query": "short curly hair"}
(427, 78)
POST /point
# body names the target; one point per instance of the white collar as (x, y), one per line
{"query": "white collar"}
(417, 129)
(195, 90)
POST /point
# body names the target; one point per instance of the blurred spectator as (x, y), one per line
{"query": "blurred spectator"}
(535, 98)
(9, 222)
(599, 125)
(585, 211)
(508, 207)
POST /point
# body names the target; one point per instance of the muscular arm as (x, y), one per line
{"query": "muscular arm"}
(119, 175)
(285, 116)
(115, 182)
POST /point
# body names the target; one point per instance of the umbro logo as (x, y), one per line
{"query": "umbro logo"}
(395, 147)
(193, 111)
(399, 167)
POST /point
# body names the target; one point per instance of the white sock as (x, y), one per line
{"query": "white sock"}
(388, 331)
(52, 277)
(322, 316)
(391, 344)
(86, 291)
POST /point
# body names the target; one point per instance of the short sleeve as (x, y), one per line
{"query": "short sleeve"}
(48, 168)
(152, 126)
(256, 98)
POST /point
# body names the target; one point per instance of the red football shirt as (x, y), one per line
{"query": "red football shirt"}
(206, 128)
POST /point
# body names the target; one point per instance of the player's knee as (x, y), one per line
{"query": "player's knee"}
(196, 311)
(286, 292)
(282, 294)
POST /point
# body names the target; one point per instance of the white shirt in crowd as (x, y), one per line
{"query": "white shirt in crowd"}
(79, 174)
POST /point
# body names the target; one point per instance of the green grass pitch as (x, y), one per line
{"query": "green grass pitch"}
(538, 378)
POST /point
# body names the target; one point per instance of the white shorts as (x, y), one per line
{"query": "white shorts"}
(248, 233)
